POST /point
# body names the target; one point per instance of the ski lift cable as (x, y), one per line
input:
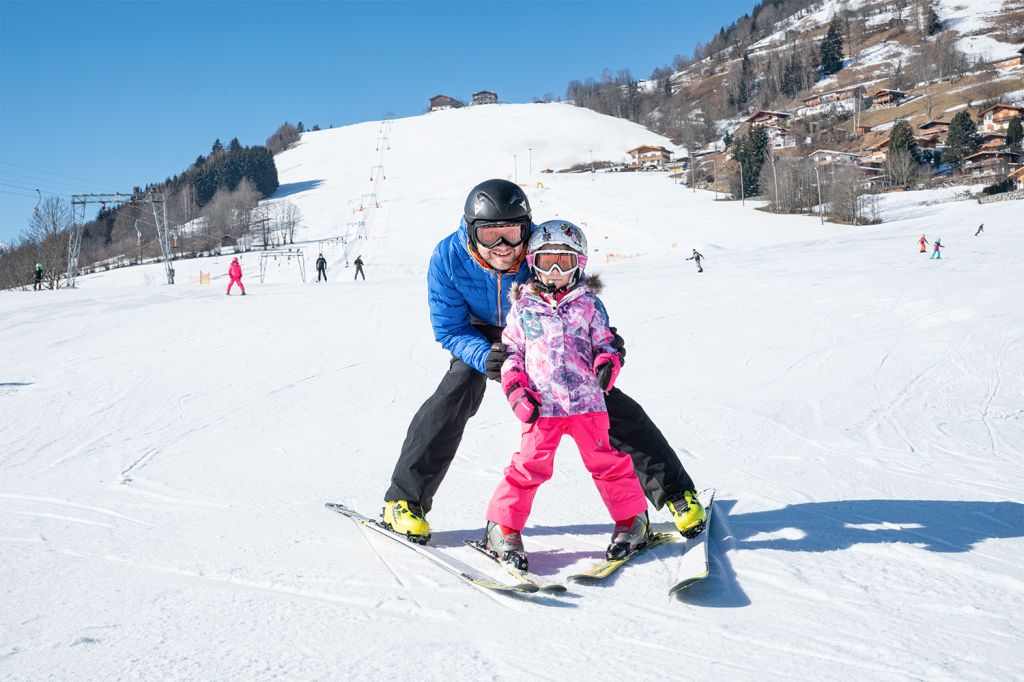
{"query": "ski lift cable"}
(15, 194)
(32, 189)
(61, 175)
(38, 181)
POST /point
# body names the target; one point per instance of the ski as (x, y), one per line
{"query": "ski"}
(450, 564)
(695, 559)
(694, 569)
(551, 588)
(604, 568)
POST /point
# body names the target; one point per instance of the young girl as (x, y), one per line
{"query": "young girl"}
(560, 362)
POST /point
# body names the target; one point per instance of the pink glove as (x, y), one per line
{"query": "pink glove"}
(606, 369)
(524, 401)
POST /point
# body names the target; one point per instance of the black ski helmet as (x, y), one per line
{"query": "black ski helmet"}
(496, 201)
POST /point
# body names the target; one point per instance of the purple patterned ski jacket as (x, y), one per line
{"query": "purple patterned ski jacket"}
(556, 344)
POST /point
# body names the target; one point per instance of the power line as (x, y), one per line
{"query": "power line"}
(45, 172)
(17, 194)
(21, 177)
(32, 189)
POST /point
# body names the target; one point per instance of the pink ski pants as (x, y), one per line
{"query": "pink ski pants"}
(236, 280)
(611, 469)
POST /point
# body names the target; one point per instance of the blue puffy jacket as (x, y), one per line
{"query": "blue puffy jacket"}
(460, 292)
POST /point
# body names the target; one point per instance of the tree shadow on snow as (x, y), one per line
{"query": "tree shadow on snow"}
(290, 188)
(15, 384)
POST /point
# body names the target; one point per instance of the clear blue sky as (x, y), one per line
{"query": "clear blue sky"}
(101, 96)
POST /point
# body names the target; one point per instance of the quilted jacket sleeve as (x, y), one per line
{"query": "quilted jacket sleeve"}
(449, 315)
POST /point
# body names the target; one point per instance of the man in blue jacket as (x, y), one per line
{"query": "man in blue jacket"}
(471, 271)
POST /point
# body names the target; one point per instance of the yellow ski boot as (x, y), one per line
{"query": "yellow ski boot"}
(688, 514)
(406, 518)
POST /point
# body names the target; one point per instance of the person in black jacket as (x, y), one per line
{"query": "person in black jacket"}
(696, 257)
(321, 268)
(359, 268)
(38, 286)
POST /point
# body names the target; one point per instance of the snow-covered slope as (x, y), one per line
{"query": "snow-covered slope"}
(165, 452)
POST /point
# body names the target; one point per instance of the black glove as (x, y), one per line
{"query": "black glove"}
(495, 359)
(620, 346)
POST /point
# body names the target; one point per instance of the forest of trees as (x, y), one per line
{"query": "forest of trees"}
(223, 188)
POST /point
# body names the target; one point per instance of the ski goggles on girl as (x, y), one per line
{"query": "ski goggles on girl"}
(547, 261)
(489, 235)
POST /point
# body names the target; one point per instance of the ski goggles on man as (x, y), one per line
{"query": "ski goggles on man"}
(489, 235)
(547, 261)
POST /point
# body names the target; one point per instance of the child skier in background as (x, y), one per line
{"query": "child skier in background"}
(936, 250)
(924, 244)
(235, 273)
(560, 362)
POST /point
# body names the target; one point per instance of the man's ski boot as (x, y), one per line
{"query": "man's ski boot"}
(406, 518)
(629, 536)
(688, 514)
(507, 544)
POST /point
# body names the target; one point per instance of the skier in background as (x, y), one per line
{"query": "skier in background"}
(560, 363)
(235, 273)
(358, 262)
(321, 268)
(981, 228)
(936, 253)
(38, 286)
(924, 244)
(696, 258)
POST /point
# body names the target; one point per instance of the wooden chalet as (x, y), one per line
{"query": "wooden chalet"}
(934, 129)
(825, 157)
(485, 97)
(991, 140)
(883, 98)
(649, 156)
(998, 117)
(1009, 62)
(990, 161)
(439, 102)
(763, 117)
(1018, 177)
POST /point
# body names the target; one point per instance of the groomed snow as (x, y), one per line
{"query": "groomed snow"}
(165, 451)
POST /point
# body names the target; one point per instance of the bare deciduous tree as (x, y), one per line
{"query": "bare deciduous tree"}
(48, 232)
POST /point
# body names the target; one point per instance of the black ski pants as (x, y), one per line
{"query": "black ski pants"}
(436, 431)
(323, 271)
(359, 271)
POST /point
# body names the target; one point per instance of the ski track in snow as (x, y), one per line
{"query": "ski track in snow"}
(165, 452)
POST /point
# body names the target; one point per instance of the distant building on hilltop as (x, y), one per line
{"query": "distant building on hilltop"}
(439, 102)
(485, 97)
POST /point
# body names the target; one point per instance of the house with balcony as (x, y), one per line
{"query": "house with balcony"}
(441, 102)
(649, 156)
(885, 97)
(1018, 178)
(766, 118)
(485, 97)
(826, 157)
(934, 129)
(998, 117)
(845, 98)
(990, 161)
(987, 141)
(779, 137)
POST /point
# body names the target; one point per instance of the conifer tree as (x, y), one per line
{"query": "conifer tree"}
(1015, 133)
(832, 49)
(902, 139)
(962, 139)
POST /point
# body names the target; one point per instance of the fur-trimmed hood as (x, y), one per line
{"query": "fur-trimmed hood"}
(593, 283)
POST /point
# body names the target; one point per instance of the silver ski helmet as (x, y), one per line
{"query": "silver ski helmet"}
(561, 233)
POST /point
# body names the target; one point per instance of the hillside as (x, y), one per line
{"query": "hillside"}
(856, 405)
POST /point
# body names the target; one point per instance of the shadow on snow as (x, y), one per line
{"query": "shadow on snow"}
(290, 188)
(935, 525)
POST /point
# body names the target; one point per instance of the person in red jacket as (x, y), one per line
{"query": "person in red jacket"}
(924, 244)
(235, 273)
